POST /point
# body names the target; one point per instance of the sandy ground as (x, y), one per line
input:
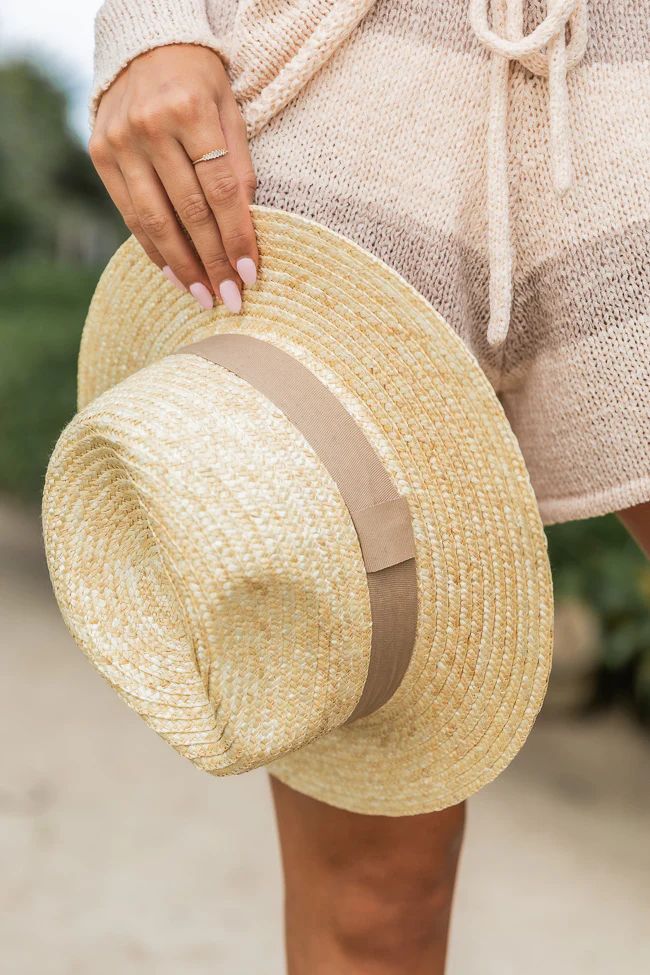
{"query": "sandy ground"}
(118, 856)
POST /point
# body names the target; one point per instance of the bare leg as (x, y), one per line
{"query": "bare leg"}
(637, 522)
(371, 895)
(366, 895)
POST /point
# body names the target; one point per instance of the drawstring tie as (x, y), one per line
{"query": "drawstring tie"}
(507, 43)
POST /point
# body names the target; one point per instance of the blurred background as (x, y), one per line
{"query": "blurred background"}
(118, 855)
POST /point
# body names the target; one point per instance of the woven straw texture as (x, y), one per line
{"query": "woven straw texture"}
(204, 560)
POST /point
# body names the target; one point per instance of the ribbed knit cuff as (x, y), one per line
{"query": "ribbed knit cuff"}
(126, 28)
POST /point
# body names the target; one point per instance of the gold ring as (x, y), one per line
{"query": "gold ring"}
(213, 154)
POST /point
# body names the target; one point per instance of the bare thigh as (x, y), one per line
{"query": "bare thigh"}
(637, 522)
(366, 894)
(373, 894)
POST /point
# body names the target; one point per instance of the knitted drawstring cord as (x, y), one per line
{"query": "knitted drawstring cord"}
(507, 43)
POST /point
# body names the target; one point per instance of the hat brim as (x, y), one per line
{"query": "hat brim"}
(482, 653)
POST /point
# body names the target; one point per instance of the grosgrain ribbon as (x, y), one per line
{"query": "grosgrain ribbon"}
(381, 516)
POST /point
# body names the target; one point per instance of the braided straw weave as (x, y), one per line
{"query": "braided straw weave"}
(205, 561)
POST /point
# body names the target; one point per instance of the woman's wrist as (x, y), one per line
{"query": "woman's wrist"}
(125, 29)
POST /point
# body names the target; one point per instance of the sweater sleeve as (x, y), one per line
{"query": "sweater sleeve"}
(126, 28)
(271, 48)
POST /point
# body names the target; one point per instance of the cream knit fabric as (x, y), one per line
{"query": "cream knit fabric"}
(272, 48)
(549, 35)
(447, 147)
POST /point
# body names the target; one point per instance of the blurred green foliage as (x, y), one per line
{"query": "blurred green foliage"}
(596, 561)
(49, 191)
(58, 227)
(42, 309)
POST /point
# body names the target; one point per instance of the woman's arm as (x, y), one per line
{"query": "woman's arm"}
(126, 28)
(161, 97)
(168, 106)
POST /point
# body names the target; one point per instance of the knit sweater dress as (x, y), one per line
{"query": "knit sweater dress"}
(497, 158)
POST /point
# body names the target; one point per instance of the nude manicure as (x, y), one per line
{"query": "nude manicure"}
(247, 270)
(231, 296)
(202, 295)
(169, 274)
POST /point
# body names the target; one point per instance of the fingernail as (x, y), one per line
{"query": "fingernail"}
(231, 295)
(202, 295)
(169, 274)
(247, 270)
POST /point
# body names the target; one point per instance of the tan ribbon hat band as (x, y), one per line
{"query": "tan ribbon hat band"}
(380, 514)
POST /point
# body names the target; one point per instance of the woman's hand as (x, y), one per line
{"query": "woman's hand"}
(168, 107)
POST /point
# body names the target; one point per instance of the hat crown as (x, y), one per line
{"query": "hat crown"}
(246, 578)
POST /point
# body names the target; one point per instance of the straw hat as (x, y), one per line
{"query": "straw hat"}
(309, 541)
